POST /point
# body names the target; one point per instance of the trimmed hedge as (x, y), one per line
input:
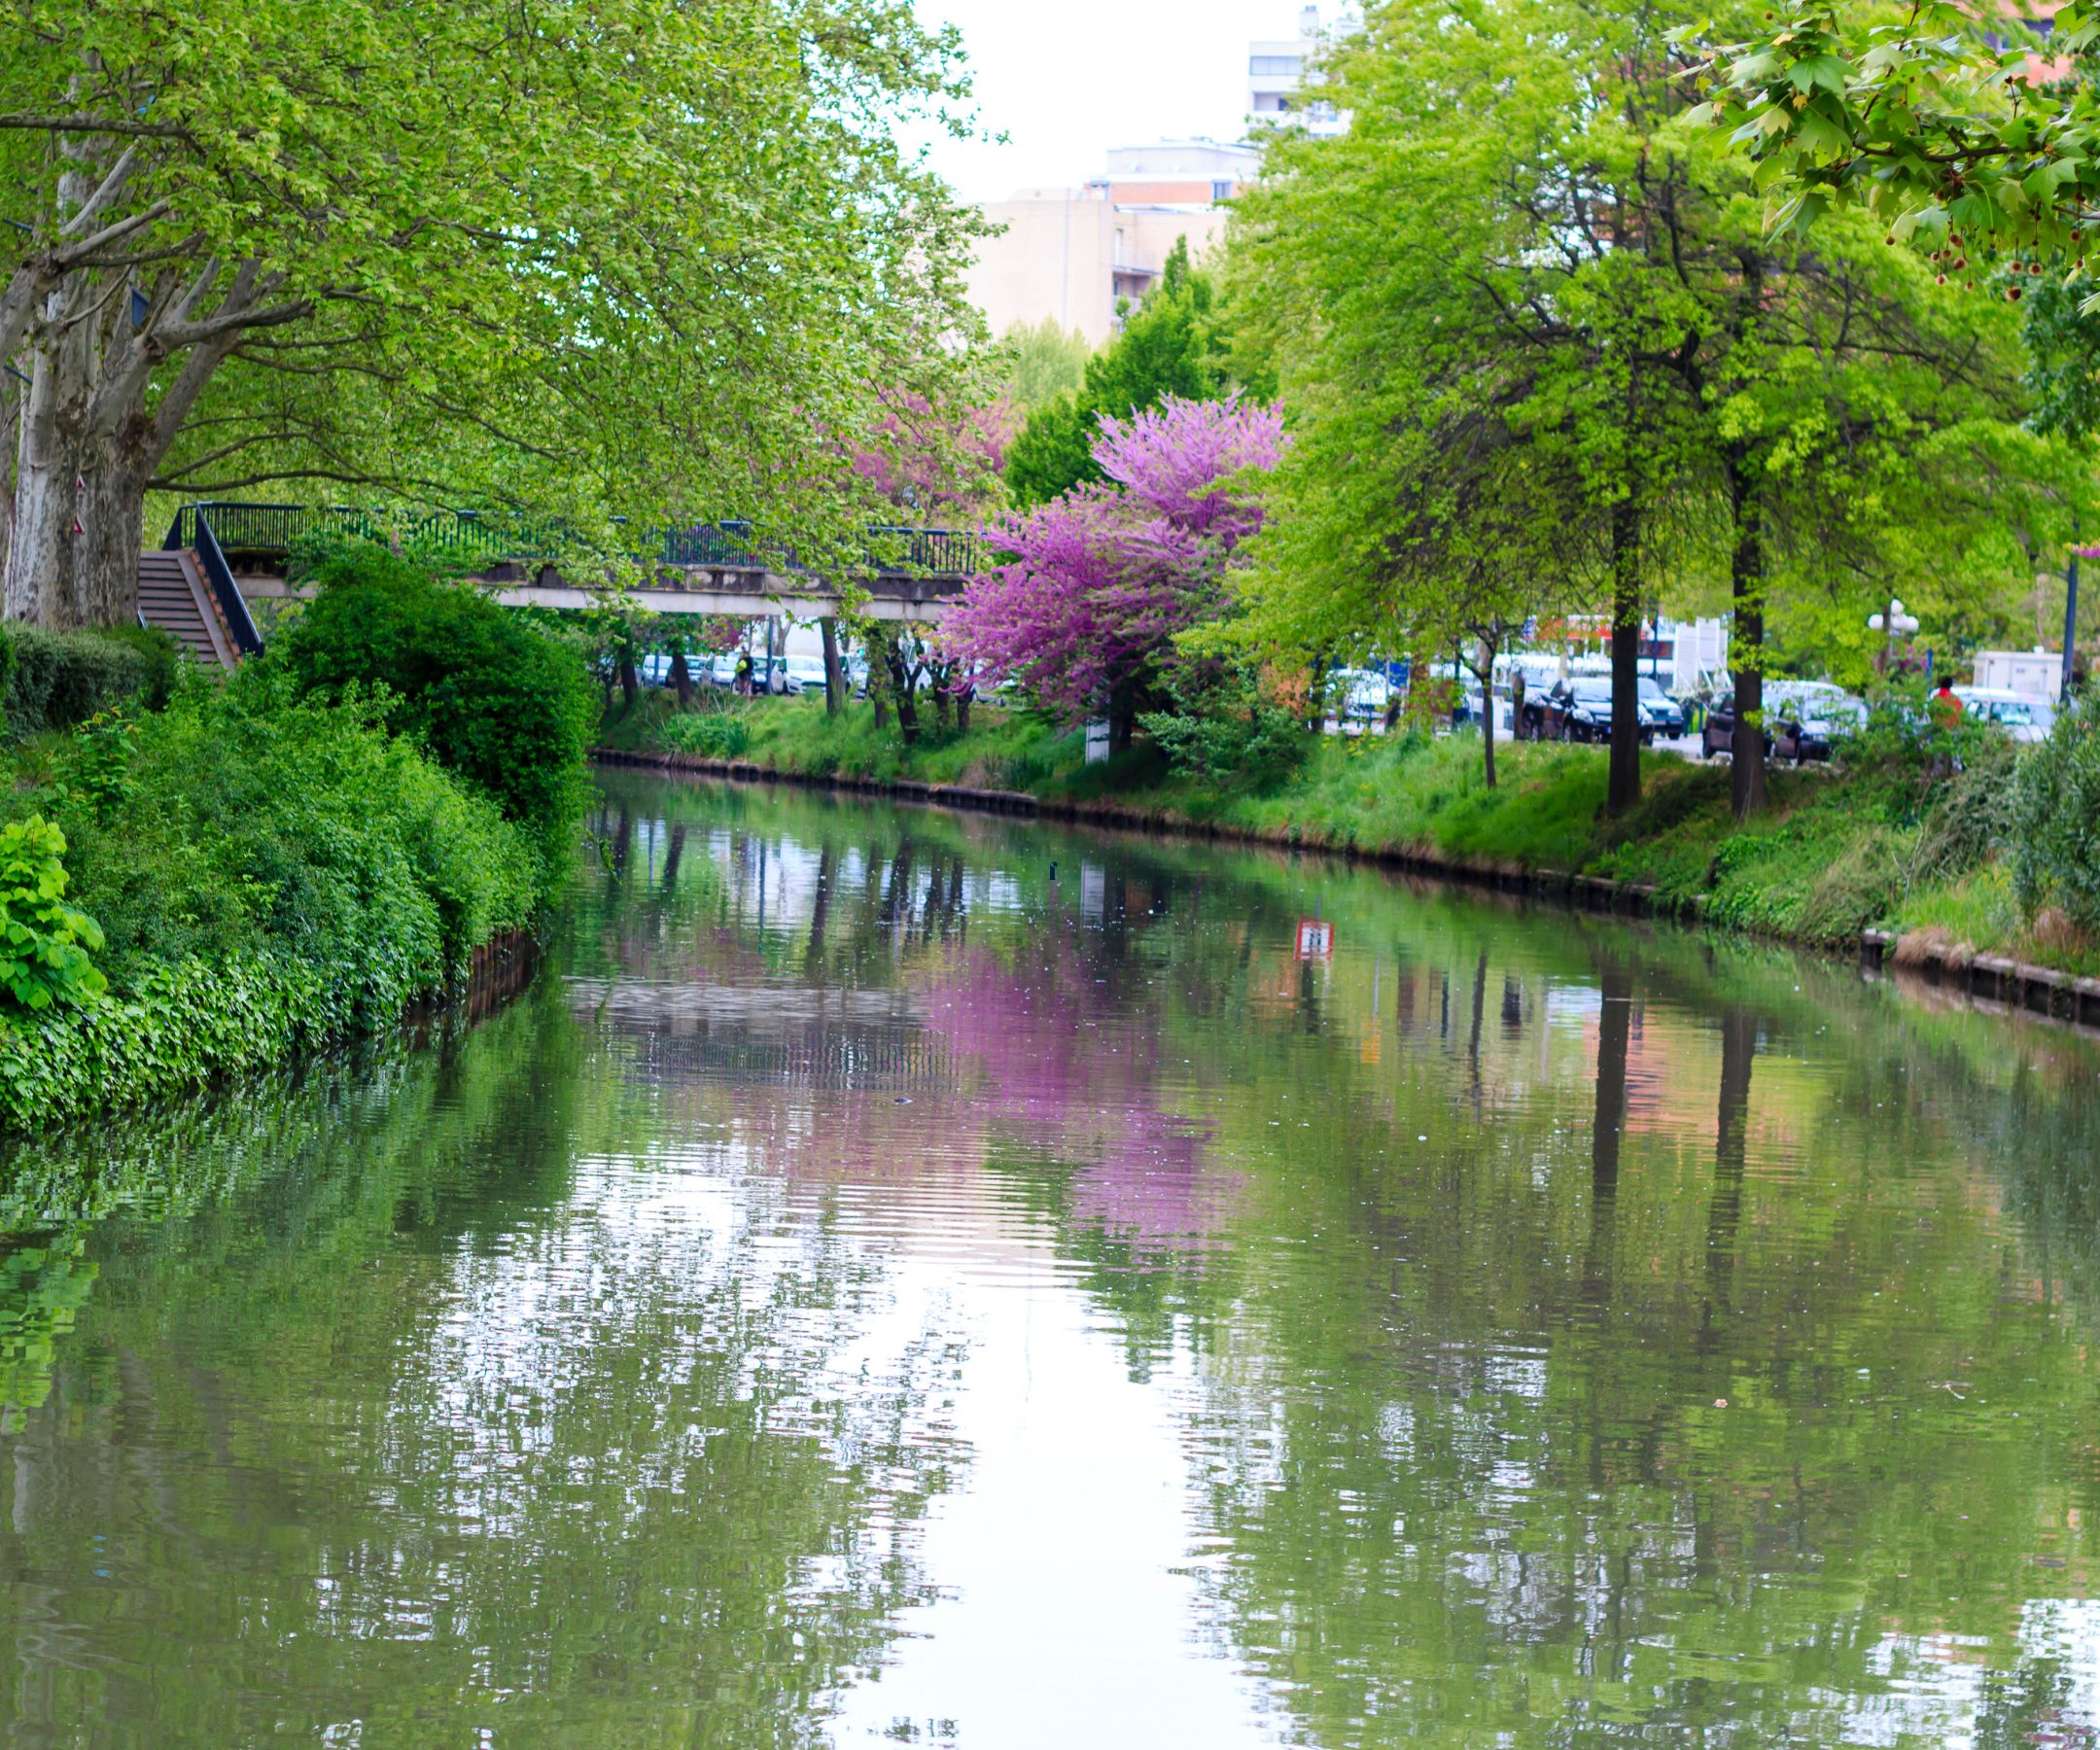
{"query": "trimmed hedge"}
(56, 679)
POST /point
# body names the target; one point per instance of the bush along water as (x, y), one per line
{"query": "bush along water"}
(267, 866)
(493, 697)
(2056, 819)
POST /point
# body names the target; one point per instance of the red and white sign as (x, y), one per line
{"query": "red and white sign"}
(1316, 939)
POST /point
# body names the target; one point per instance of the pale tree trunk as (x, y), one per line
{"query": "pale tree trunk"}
(1490, 647)
(94, 336)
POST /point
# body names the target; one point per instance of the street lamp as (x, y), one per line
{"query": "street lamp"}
(1896, 622)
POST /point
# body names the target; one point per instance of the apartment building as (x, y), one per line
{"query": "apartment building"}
(1283, 83)
(1077, 255)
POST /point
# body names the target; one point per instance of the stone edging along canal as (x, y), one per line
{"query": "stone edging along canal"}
(2032, 990)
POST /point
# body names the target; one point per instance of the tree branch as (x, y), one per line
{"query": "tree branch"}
(122, 127)
(120, 173)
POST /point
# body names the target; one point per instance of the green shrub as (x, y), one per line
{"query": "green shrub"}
(1227, 728)
(186, 1026)
(60, 678)
(2056, 819)
(1901, 754)
(44, 944)
(494, 699)
(269, 872)
(714, 734)
(164, 658)
(1972, 816)
(255, 823)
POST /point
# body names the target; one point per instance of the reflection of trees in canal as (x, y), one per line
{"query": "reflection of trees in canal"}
(328, 1405)
(1625, 1427)
(1600, 1337)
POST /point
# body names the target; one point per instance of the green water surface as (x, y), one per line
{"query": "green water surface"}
(899, 1277)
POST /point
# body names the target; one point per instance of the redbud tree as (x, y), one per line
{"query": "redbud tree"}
(1084, 613)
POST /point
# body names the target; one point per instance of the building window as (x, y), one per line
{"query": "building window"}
(1221, 190)
(1272, 65)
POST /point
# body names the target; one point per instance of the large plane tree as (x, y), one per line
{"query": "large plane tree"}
(591, 257)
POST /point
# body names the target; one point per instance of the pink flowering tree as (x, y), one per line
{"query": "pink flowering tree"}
(1101, 581)
(936, 464)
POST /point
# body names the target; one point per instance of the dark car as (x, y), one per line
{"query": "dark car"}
(1803, 722)
(1580, 709)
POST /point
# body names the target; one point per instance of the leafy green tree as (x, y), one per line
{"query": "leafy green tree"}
(1167, 347)
(1040, 362)
(1517, 221)
(619, 259)
(1950, 130)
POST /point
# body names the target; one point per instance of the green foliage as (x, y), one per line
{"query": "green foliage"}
(2056, 819)
(1921, 115)
(270, 873)
(1908, 746)
(1972, 818)
(494, 699)
(185, 1026)
(714, 734)
(464, 294)
(100, 765)
(1043, 361)
(1168, 346)
(1228, 733)
(60, 678)
(44, 944)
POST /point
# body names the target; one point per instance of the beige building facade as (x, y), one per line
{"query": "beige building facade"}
(1079, 255)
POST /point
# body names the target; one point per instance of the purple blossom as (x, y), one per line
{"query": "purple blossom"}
(1103, 578)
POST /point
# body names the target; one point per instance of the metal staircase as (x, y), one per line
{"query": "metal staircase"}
(187, 591)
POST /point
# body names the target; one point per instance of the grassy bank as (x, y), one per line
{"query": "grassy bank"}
(1839, 851)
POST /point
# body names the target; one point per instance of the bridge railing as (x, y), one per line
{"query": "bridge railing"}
(276, 530)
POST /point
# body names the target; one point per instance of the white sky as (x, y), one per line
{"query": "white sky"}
(1069, 79)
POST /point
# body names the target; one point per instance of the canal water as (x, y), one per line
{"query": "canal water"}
(900, 1278)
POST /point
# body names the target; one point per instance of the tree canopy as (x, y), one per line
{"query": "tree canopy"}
(1942, 124)
(612, 257)
(1520, 240)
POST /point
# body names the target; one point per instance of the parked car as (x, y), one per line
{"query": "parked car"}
(806, 672)
(1580, 708)
(2021, 715)
(1802, 720)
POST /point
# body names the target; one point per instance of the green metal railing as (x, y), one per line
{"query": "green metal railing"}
(273, 531)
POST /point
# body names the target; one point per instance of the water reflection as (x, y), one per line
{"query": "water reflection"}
(936, 1280)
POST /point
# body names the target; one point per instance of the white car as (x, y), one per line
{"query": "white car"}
(1358, 693)
(805, 674)
(2021, 715)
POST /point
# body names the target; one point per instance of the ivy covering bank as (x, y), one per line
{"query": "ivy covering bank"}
(281, 861)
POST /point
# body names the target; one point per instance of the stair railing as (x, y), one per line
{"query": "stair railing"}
(192, 527)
